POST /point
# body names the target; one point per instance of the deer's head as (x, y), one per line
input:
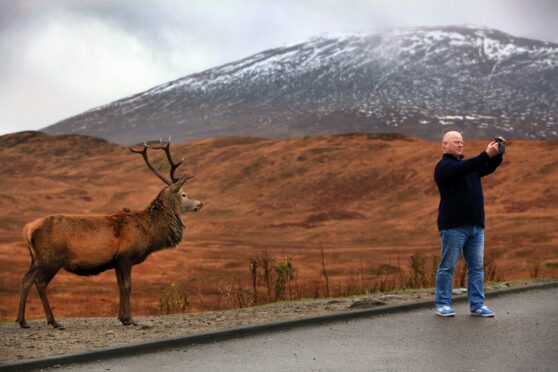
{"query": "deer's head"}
(173, 192)
(182, 199)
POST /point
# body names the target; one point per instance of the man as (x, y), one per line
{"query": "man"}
(461, 219)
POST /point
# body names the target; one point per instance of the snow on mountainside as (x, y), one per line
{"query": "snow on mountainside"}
(419, 81)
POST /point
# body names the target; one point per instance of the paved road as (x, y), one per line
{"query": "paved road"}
(522, 337)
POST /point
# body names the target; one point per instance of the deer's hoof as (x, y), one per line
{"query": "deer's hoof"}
(57, 325)
(23, 324)
(128, 322)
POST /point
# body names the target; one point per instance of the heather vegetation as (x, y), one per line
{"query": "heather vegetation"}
(270, 278)
(337, 215)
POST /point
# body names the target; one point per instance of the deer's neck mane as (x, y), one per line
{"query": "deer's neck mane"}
(166, 222)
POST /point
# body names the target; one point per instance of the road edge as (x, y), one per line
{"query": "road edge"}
(151, 346)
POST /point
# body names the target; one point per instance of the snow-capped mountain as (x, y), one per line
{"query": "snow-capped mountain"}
(419, 81)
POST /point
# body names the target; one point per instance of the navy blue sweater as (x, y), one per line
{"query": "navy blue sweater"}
(459, 183)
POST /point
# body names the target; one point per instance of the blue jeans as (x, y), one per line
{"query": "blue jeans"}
(470, 239)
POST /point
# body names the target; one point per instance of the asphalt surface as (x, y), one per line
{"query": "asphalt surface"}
(522, 337)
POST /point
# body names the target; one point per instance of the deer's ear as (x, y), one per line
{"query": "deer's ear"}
(175, 187)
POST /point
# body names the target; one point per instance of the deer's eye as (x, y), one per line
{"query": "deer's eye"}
(184, 195)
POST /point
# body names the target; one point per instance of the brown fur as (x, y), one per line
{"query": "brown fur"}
(89, 245)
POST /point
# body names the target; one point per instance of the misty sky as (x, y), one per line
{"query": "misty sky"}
(59, 58)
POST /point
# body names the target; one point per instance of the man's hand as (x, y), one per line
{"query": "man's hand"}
(501, 145)
(492, 149)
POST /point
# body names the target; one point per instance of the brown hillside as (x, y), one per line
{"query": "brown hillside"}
(367, 200)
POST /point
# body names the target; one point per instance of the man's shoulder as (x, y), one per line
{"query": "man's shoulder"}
(446, 159)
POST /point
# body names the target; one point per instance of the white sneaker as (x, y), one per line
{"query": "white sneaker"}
(445, 311)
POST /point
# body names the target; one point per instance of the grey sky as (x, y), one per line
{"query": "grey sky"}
(59, 58)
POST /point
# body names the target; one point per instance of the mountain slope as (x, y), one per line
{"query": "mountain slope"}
(420, 82)
(367, 200)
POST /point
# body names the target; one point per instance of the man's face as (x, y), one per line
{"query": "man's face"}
(453, 144)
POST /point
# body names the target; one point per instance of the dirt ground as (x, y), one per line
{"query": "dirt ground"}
(89, 334)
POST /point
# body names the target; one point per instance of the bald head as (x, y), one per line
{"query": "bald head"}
(450, 134)
(452, 143)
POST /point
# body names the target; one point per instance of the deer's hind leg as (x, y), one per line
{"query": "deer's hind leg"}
(42, 279)
(26, 282)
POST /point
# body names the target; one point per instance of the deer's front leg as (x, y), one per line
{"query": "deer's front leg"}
(120, 282)
(124, 278)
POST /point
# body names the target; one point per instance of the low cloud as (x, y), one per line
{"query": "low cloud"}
(62, 57)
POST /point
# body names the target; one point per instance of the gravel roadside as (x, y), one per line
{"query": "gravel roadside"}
(88, 334)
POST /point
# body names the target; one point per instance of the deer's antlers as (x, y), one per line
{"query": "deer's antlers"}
(165, 146)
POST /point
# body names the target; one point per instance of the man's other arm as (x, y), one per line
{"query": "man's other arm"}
(448, 169)
(491, 166)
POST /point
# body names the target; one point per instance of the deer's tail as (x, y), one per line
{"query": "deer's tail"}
(28, 236)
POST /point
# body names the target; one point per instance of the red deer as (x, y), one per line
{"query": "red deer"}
(89, 245)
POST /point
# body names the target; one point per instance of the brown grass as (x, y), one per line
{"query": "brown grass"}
(368, 200)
